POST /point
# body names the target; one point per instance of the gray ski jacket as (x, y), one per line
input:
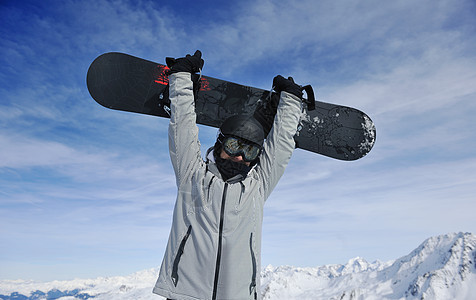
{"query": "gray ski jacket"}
(214, 247)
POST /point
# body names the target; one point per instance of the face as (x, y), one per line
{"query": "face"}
(238, 158)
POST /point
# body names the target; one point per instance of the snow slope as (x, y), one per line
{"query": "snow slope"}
(442, 267)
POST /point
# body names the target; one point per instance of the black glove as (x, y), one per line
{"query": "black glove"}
(189, 63)
(282, 84)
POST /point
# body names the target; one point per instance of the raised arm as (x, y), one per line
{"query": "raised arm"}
(184, 146)
(280, 144)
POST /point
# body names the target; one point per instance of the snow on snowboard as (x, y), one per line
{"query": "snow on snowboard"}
(124, 82)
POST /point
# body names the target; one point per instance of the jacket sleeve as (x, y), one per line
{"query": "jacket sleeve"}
(279, 144)
(184, 146)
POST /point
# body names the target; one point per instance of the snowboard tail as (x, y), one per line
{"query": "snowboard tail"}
(124, 82)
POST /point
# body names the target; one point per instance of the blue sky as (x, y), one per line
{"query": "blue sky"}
(86, 191)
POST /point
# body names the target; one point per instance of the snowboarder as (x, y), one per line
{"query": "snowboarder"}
(214, 247)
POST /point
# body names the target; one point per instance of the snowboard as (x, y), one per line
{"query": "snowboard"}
(127, 83)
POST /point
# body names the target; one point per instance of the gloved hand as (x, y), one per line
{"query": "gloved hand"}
(189, 63)
(288, 85)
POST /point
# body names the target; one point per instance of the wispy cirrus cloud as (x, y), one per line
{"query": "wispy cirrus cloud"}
(95, 188)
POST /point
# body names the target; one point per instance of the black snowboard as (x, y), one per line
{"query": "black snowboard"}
(124, 82)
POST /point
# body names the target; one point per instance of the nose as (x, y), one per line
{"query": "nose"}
(238, 158)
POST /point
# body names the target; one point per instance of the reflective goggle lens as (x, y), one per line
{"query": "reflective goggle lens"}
(236, 147)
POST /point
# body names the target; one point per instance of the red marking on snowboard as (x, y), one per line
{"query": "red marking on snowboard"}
(204, 84)
(162, 78)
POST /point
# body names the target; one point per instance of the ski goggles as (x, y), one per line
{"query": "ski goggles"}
(235, 147)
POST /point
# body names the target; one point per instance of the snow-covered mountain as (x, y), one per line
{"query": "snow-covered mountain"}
(442, 267)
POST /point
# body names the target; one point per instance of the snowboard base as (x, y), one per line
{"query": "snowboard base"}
(124, 82)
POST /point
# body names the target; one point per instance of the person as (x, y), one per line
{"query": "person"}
(214, 247)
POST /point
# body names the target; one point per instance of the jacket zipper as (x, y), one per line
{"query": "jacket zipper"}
(179, 255)
(220, 238)
(253, 261)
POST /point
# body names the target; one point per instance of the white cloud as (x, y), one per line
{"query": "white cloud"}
(78, 176)
(291, 33)
(18, 152)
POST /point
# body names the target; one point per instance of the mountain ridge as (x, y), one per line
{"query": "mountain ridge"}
(442, 267)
